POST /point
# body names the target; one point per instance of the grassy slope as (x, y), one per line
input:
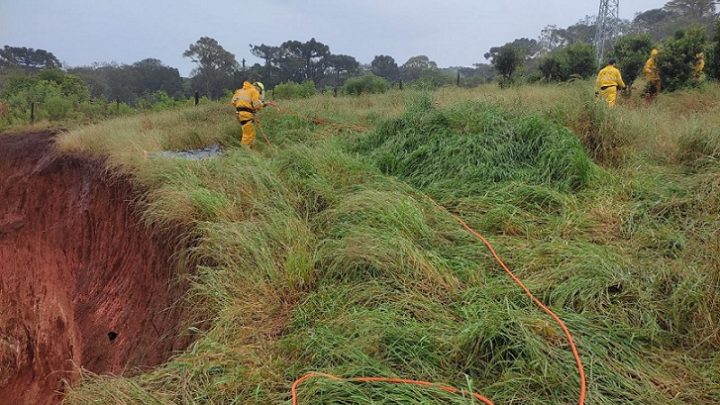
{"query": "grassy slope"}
(315, 259)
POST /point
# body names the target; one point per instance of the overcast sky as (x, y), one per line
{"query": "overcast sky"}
(451, 32)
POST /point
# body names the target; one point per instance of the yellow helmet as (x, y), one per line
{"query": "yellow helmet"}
(260, 86)
(654, 52)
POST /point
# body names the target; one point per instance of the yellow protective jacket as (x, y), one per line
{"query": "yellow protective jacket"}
(608, 77)
(247, 99)
(651, 70)
(699, 64)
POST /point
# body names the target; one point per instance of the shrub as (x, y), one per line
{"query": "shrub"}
(676, 62)
(432, 78)
(551, 67)
(56, 95)
(631, 52)
(714, 55)
(368, 84)
(581, 60)
(158, 101)
(292, 90)
(577, 60)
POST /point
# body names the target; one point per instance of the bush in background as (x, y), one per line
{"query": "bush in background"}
(577, 60)
(159, 101)
(292, 90)
(61, 97)
(714, 55)
(631, 52)
(677, 58)
(56, 95)
(369, 84)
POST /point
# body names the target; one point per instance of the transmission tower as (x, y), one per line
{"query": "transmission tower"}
(607, 27)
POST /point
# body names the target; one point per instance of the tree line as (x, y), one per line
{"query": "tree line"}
(217, 70)
(558, 54)
(312, 61)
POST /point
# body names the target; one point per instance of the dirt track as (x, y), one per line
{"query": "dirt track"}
(81, 284)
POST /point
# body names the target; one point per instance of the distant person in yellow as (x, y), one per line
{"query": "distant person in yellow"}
(609, 80)
(247, 102)
(699, 66)
(652, 74)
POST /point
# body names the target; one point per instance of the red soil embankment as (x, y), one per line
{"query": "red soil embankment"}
(82, 284)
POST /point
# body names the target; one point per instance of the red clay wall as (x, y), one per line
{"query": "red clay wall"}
(81, 283)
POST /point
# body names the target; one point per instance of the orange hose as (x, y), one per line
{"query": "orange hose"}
(566, 331)
(321, 121)
(262, 132)
(451, 390)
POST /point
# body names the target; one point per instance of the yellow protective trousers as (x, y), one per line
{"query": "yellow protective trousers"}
(609, 94)
(247, 121)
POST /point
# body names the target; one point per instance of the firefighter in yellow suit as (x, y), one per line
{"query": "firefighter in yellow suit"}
(247, 102)
(652, 75)
(608, 82)
(699, 66)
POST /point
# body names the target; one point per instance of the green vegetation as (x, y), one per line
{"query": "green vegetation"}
(677, 59)
(573, 61)
(54, 97)
(49, 87)
(324, 253)
(27, 58)
(385, 67)
(506, 62)
(369, 84)
(215, 68)
(132, 84)
(631, 52)
(291, 90)
(714, 54)
(477, 147)
(57, 96)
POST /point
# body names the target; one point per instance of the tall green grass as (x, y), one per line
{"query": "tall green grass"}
(324, 253)
(469, 148)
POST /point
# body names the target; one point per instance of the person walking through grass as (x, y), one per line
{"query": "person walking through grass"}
(699, 69)
(247, 102)
(609, 80)
(652, 75)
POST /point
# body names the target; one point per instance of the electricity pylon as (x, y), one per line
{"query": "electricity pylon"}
(607, 27)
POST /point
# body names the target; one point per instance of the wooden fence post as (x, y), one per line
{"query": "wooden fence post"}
(32, 112)
(197, 97)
